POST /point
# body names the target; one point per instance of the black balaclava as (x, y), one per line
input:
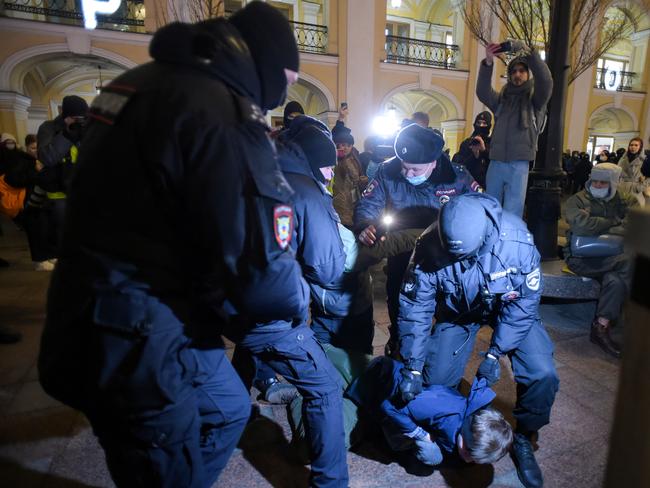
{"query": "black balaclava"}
(463, 226)
(74, 106)
(483, 131)
(291, 108)
(316, 143)
(270, 39)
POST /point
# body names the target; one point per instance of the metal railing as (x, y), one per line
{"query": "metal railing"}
(129, 16)
(622, 80)
(404, 50)
(311, 38)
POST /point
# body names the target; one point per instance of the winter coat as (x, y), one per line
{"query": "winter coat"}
(412, 207)
(512, 140)
(507, 268)
(632, 179)
(177, 209)
(349, 183)
(439, 410)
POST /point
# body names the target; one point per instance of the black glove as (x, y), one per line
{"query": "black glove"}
(489, 369)
(410, 385)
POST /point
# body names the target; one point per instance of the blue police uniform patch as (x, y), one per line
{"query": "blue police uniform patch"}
(533, 280)
(283, 224)
(368, 191)
(510, 296)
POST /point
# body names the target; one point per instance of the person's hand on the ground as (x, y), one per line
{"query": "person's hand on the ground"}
(428, 452)
(368, 236)
(490, 51)
(410, 384)
(489, 369)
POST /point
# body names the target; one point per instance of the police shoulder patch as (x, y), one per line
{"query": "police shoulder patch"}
(534, 279)
(283, 224)
(370, 188)
(108, 105)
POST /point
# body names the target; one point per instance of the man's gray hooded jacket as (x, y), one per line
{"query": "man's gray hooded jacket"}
(518, 111)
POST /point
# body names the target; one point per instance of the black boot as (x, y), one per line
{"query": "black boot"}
(527, 468)
(600, 336)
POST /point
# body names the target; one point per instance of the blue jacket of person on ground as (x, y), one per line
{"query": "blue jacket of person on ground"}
(439, 410)
(411, 206)
(503, 282)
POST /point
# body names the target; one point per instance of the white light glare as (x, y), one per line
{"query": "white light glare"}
(91, 8)
(388, 220)
(396, 3)
(385, 125)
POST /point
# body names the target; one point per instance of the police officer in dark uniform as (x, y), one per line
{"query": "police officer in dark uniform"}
(478, 265)
(410, 188)
(173, 224)
(290, 349)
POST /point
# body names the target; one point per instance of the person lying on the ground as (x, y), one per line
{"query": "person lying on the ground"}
(439, 420)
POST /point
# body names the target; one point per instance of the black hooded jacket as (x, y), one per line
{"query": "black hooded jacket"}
(178, 195)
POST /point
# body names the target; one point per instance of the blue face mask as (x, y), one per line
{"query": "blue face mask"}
(417, 180)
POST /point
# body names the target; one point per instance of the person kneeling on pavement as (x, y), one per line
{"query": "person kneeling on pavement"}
(597, 218)
(437, 425)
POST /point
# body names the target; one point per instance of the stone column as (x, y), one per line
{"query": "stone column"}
(13, 114)
(639, 56)
(37, 114)
(420, 30)
(578, 118)
(454, 132)
(310, 12)
(360, 67)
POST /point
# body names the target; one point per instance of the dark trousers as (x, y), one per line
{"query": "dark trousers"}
(296, 355)
(449, 348)
(40, 233)
(352, 333)
(167, 411)
(187, 444)
(57, 216)
(613, 273)
(395, 269)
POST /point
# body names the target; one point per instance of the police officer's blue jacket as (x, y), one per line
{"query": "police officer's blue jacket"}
(177, 203)
(316, 242)
(413, 207)
(502, 286)
(439, 410)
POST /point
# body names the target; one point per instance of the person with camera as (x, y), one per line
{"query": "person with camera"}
(474, 152)
(519, 110)
(58, 143)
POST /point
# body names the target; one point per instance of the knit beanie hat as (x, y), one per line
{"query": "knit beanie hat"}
(315, 140)
(74, 106)
(416, 145)
(7, 137)
(606, 172)
(291, 108)
(272, 44)
(343, 135)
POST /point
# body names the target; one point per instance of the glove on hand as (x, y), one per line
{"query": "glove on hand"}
(410, 385)
(427, 452)
(489, 369)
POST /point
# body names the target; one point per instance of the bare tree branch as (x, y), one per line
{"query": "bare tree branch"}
(597, 25)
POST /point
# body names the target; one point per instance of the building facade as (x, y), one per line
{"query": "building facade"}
(383, 57)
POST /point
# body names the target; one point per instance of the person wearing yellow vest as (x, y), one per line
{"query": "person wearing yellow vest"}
(58, 145)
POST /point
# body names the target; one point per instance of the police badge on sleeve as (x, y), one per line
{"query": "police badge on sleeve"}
(534, 279)
(283, 224)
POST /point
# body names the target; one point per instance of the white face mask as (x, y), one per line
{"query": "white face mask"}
(417, 180)
(599, 193)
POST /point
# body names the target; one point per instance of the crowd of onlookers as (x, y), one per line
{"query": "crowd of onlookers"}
(633, 161)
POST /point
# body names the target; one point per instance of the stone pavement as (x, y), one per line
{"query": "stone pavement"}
(45, 444)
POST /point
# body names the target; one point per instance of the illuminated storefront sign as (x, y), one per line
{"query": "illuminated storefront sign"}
(93, 7)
